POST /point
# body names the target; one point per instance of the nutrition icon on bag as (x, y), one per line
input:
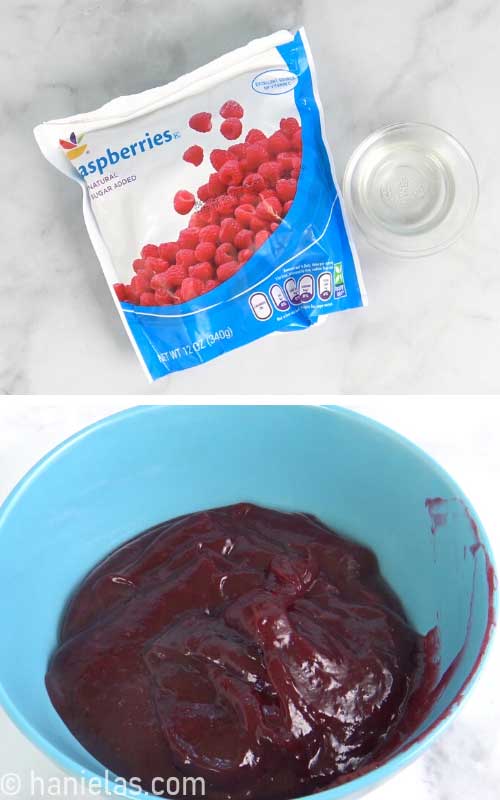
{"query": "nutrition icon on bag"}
(325, 284)
(279, 298)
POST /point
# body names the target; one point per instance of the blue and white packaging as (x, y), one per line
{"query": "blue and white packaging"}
(127, 157)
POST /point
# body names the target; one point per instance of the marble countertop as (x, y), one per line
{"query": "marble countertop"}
(435, 320)
(465, 761)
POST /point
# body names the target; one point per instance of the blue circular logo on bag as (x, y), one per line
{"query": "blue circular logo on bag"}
(275, 81)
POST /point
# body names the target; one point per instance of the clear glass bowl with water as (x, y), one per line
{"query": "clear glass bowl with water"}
(411, 189)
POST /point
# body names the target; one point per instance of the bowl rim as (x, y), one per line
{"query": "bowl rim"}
(364, 782)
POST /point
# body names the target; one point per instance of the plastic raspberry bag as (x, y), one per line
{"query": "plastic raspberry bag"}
(212, 205)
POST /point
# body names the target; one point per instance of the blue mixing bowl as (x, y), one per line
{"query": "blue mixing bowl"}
(129, 471)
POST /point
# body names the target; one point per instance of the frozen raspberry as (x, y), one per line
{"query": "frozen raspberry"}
(210, 214)
(249, 198)
(235, 191)
(297, 140)
(203, 192)
(238, 151)
(147, 299)
(140, 283)
(227, 270)
(260, 238)
(244, 255)
(289, 125)
(228, 229)
(149, 250)
(274, 226)
(215, 185)
(218, 158)
(295, 174)
(132, 296)
(231, 128)
(148, 274)
(242, 196)
(184, 201)
(254, 135)
(201, 122)
(225, 205)
(285, 160)
(175, 275)
(185, 257)
(194, 155)
(188, 238)
(200, 218)
(231, 109)
(138, 264)
(231, 173)
(269, 209)
(267, 193)
(168, 251)
(203, 271)
(283, 172)
(255, 156)
(278, 143)
(211, 285)
(191, 288)
(225, 252)
(120, 291)
(287, 207)
(286, 189)
(254, 182)
(270, 171)
(160, 281)
(210, 233)
(163, 297)
(205, 251)
(258, 224)
(244, 214)
(153, 265)
(243, 239)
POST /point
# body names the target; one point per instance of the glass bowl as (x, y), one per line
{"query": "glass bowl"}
(411, 189)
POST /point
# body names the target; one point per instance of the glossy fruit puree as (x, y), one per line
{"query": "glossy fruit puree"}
(255, 648)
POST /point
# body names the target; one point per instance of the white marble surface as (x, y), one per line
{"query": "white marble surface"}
(462, 434)
(433, 325)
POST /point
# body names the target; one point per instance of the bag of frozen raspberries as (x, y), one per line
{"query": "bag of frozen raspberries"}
(212, 205)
